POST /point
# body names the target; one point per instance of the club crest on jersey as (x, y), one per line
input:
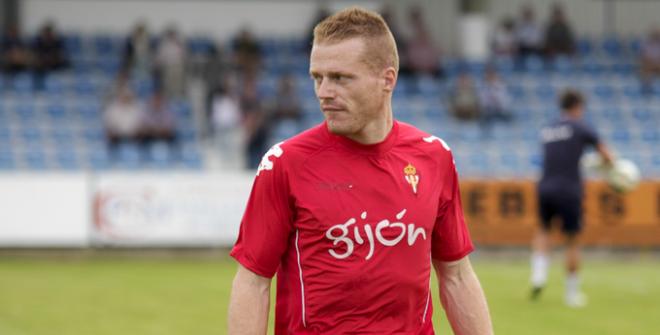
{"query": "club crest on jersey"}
(411, 176)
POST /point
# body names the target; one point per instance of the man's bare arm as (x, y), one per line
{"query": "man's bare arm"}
(249, 303)
(605, 153)
(462, 298)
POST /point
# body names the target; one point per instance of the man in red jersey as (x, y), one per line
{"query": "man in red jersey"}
(352, 213)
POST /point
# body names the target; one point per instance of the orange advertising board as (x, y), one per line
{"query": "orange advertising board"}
(506, 213)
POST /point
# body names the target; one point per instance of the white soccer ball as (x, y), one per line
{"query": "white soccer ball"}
(623, 176)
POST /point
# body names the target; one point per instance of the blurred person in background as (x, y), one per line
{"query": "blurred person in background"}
(171, 64)
(286, 104)
(495, 101)
(15, 54)
(257, 123)
(504, 41)
(422, 54)
(247, 53)
(123, 119)
(321, 13)
(226, 120)
(529, 34)
(560, 193)
(559, 36)
(312, 213)
(49, 53)
(650, 59)
(159, 123)
(138, 52)
(464, 98)
(401, 42)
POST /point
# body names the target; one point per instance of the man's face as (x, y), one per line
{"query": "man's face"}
(351, 93)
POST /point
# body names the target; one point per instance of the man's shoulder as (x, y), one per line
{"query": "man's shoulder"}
(414, 138)
(296, 149)
(308, 141)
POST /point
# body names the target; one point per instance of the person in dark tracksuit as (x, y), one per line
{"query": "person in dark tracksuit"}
(560, 192)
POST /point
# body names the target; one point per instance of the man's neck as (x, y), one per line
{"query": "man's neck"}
(375, 131)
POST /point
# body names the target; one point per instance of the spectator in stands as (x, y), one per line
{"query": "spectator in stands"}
(159, 121)
(422, 54)
(257, 123)
(138, 52)
(401, 42)
(528, 33)
(286, 105)
(171, 64)
(495, 101)
(247, 53)
(216, 68)
(650, 59)
(226, 118)
(123, 119)
(321, 13)
(15, 54)
(464, 98)
(559, 37)
(504, 40)
(49, 53)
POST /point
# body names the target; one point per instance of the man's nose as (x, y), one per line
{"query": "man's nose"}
(325, 90)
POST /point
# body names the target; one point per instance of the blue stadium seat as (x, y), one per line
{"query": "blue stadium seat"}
(191, 157)
(26, 112)
(650, 135)
(98, 158)
(67, 159)
(54, 85)
(22, 84)
(62, 137)
(641, 114)
(73, 44)
(56, 112)
(621, 135)
(35, 159)
(129, 156)
(160, 155)
(6, 159)
(31, 135)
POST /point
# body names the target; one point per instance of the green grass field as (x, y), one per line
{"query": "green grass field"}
(161, 297)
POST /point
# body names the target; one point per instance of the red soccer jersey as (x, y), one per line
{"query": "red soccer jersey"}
(350, 230)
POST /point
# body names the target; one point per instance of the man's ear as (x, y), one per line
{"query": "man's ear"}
(390, 77)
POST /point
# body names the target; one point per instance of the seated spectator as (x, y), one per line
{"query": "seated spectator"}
(171, 64)
(49, 52)
(123, 119)
(559, 37)
(138, 53)
(504, 40)
(650, 59)
(15, 53)
(495, 100)
(159, 122)
(528, 33)
(464, 98)
(247, 53)
(422, 55)
(286, 104)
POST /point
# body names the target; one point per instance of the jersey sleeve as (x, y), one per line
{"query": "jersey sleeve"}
(451, 239)
(589, 134)
(267, 221)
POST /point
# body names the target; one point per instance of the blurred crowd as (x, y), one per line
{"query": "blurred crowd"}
(239, 120)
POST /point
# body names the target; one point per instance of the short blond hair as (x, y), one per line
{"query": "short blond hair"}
(356, 22)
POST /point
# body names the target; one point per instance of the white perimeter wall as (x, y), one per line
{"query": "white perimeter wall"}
(114, 209)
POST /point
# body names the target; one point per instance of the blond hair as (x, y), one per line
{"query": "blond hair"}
(356, 22)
